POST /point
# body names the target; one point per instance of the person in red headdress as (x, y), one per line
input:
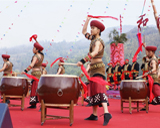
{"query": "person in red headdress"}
(44, 71)
(110, 73)
(35, 65)
(126, 68)
(97, 69)
(61, 68)
(7, 66)
(117, 74)
(153, 72)
(145, 61)
(134, 69)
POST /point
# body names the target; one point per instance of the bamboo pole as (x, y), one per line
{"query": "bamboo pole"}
(155, 14)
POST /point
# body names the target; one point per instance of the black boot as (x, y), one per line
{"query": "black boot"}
(88, 105)
(107, 117)
(32, 106)
(92, 117)
(7, 101)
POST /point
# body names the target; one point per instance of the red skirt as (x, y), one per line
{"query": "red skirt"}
(97, 93)
(156, 90)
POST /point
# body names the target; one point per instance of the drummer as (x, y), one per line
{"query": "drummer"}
(134, 69)
(61, 68)
(44, 71)
(7, 66)
(109, 72)
(126, 68)
(35, 65)
(97, 68)
(153, 72)
(117, 73)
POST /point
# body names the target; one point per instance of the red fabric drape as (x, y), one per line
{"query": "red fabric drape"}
(150, 81)
(103, 17)
(56, 61)
(31, 77)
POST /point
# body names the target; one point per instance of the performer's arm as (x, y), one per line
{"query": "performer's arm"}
(153, 64)
(31, 65)
(84, 30)
(90, 55)
(59, 71)
(4, 67)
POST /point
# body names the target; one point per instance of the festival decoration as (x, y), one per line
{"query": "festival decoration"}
(116, 47)
(141, 21)
(103, 17)
(139, 40)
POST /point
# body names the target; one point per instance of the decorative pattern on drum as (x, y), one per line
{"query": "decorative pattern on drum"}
(136, 89)
(14, 85)
(58, 89)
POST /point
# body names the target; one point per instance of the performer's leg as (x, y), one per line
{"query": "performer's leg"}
(94, 115)
(95, 110)
(107, 115)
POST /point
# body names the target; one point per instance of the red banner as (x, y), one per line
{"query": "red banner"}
(117, 53)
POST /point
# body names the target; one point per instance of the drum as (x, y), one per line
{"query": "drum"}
(11, 85)
(136, 89)
(58, 89)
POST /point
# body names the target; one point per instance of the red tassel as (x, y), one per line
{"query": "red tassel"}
(31, 77)
(103, 17)
(56, 61)
(150, 81)
(137, 52)
(33, 37)
(94, 79)
(84, 87)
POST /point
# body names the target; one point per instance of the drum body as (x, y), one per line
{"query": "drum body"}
(136, 89)
(14, 85)
(58, 89)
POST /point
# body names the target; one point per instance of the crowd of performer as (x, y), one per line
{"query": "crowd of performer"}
(96, 68)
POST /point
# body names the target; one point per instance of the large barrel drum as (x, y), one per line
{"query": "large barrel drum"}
(58, 89)
(11, 85)
(136, 89)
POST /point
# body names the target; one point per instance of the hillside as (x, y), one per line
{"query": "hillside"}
(21, 55)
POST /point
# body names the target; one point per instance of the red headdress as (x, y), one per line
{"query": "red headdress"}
(5, 56)
(38, 46)
(45, 64)
(97, 24)
(151, 48)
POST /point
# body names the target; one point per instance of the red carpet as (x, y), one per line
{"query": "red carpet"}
(30, 118)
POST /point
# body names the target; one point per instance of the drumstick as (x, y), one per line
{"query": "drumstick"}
(140, 77)
(74, 64)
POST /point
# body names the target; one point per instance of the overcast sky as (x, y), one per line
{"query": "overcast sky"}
(57, 20)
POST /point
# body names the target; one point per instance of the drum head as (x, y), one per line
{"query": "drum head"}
(14, 77)
(133, 81)
(54, 75)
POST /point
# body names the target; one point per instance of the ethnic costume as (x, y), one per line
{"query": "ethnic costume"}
(8, 70)
(126, 71)
(134, 70)
(44, 71)
(154, 75)
(117, 74)
(97, 91)
(97, 70)
(144, 66)
(61, 67)
(36, 73)
(110, 73)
